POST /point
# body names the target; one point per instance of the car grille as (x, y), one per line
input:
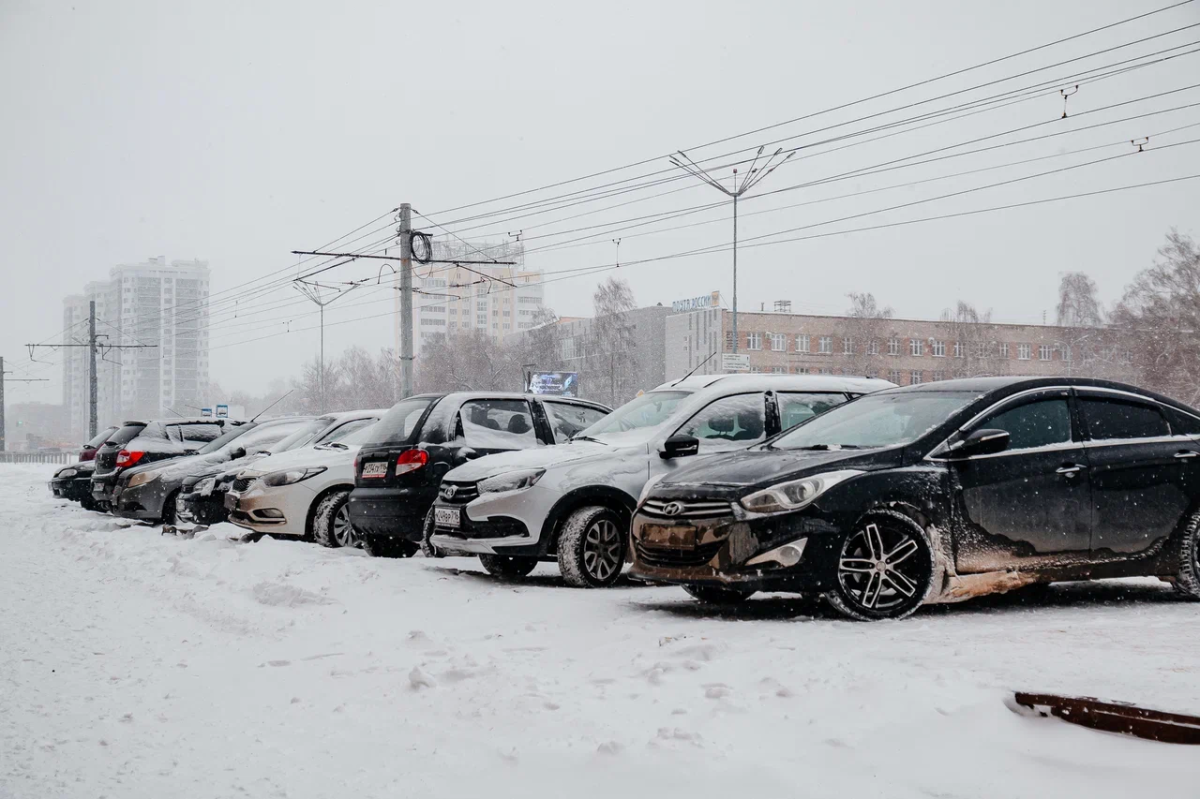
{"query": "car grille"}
(242, 483)
(458, 493)
(696, 556)
(691, 509)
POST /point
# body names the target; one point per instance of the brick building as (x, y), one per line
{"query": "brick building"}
(904, 351)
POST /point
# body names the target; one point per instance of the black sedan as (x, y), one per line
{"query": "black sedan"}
(938, 493)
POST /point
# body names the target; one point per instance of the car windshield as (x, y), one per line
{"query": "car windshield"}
(648, 410)
(877, 420)
(225, 438)
(304, 434)
(361, 436)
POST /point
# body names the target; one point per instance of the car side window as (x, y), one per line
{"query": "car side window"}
(1108, 419)
(497, 424)
(795, 408)
(1182, 423)
(568, 418)
(740, 420)
(1033, 424)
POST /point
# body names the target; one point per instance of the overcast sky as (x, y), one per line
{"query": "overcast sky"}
(237, 132)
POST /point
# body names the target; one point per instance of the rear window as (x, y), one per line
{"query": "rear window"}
(101, 437)
(202, 433)
(126, 434)
(400, 423)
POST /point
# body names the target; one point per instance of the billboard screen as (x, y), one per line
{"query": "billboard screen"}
(561, 384)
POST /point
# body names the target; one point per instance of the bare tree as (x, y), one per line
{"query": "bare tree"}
(541, 345)
(468, 361)
(366, 382)
(864, 328)
(1086, 344)
(972, 347)
(1159, 318)
(612, 358)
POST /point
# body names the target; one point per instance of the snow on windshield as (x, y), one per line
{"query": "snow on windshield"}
(879, 420)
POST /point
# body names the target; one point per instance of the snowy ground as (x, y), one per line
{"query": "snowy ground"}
(139, 665)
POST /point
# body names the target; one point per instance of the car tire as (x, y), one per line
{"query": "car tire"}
(87, 503)
(168, 508)
(384, 546)
(427, 547)
(509, 567)
(714, 594)
(591, 547)
(869, 583)
(1187, 574)
(331, 522)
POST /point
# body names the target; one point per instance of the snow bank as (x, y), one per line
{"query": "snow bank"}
(141, 665)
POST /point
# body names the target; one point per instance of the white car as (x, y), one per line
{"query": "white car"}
(573, 502)
(301, 493)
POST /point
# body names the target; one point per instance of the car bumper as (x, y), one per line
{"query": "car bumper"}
(505, 523)
(783, 553)
(103, 485)
(392, 512)
(143, 502)
(280, 511)
(75, 489)
(196, 508)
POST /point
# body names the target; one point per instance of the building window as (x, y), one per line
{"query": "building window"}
(894, 376)
(803, 344)
(1066, 352)
(1044, 352)
(825, 345)
(824, 370)
(1004, 349)
(958, 349)
(916, 346)
(481, 320)
(914, 378)
(754, 341)
(872, 347)
(939, 376)
(894, 348)
(778, 342)
(939, 349)
(777, 370)
(729, 340)
(847, 346)
(755, 370)
(1023, 352)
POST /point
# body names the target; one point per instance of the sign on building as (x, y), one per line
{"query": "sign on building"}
(560, 384)
(735, 362)
(712, 300)
(206, 412)
(222, 411)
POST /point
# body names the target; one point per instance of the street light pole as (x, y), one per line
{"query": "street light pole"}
(752, 178)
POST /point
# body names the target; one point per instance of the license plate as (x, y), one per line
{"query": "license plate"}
(448, 517)
(375, 469)
(231, 501)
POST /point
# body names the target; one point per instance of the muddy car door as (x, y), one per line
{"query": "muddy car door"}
(1030, 502)
(1143, 477)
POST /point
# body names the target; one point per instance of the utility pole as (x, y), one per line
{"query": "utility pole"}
(93, 378)
(406, 309)
(14, 380)
(751, 179)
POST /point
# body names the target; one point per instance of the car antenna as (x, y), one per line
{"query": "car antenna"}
(272, 405)
(177, 413)
(689, 374)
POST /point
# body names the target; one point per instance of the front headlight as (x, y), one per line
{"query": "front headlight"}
(141, 478)
(67, 473)
(510, 481)
(289, 476)
(794, 494)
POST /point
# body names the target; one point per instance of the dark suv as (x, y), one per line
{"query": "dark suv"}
(136, 443)
(421, 438)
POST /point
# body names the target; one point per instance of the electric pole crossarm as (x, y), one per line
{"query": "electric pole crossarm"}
(394, 258)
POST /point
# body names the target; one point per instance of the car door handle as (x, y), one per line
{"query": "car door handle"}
(1069, 469)
(1186, 453)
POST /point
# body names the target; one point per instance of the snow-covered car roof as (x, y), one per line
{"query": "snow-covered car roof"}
(775, 382)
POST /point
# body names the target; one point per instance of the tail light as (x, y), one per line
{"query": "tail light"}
(411, 460)
(356, 462)
(127, 458)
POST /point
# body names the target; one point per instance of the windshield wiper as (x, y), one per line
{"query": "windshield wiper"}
(331, 445)
(833, 446)
(581, 437)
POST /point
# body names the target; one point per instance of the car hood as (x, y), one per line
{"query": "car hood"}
(540, 458)
(304, 457)
(759, 468)
(80, 467)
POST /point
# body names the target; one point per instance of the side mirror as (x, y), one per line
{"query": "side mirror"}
(464, 454)
(679, 446)
(237, 452)
(980, 442)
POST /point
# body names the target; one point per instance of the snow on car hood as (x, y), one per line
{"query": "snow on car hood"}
(540, 458)
(304, 457)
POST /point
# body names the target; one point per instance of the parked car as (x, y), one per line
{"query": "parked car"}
(136, 443)
(939, 492)
(303, 493)
(230, 486)
(573, 503)
(423, 437)
(148, 491)
(88, 452)
(74, 482)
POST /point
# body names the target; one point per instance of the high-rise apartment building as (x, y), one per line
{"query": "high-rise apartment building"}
(163, 307)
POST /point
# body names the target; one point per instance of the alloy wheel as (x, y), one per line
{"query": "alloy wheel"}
(602, 549)
(880, 569)
(343, 532)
